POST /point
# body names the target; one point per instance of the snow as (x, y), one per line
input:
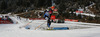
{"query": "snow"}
(86, 14)
(77, 29)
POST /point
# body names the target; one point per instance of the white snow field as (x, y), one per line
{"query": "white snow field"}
(76, 29)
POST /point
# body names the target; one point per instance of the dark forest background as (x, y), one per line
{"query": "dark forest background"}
(7, 6)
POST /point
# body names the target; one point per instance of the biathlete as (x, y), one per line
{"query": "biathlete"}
(47, 17)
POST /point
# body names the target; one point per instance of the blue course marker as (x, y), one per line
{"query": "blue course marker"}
(27, 27)
(60, 28)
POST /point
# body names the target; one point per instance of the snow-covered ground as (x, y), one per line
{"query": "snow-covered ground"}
(92, 15)
(77, 29)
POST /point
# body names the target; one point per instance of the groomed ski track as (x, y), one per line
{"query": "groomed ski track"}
(77, 29)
